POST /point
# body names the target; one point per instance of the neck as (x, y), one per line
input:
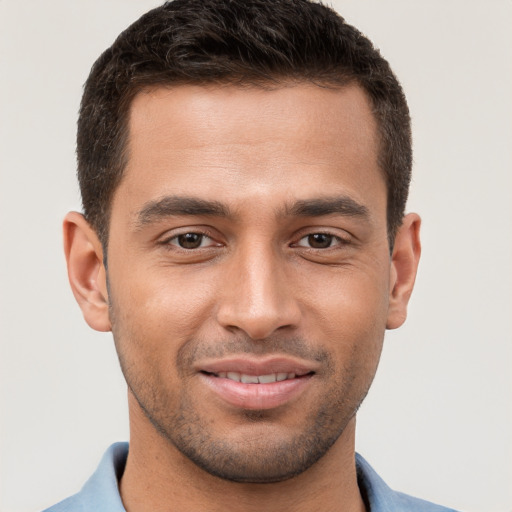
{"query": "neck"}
(159, 478)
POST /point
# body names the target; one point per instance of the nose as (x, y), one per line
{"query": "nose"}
(258, 297)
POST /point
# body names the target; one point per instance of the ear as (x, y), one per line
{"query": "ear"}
(86, 272)
(404, 265)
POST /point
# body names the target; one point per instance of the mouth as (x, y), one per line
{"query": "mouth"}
(257, 385)
(268, 378)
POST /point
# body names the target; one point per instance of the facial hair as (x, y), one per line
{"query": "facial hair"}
(267, 453)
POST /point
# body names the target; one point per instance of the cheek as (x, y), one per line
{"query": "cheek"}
(352, 298)
(162, 303)
(351, 314)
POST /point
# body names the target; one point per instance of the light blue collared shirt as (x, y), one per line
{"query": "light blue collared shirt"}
(101, 493)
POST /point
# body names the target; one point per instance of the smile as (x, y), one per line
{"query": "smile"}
(256, 385)
(255, 379)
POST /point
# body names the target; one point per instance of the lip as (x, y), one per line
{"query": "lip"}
(260, 366)
(257, 396)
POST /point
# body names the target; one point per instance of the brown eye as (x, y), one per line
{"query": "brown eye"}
(190, 240)
(320, 240)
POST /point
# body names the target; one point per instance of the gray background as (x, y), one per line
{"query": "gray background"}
(438, 421)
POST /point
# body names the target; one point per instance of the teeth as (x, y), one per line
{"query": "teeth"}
(266, 379)
(256, 379)
(248, 379)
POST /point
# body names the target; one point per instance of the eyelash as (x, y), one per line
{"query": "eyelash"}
(168, 242)
(335, 241)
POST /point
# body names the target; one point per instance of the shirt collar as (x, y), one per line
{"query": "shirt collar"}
(101, 491)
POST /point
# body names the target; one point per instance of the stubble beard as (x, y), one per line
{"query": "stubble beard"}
(263, 458)
(266, 457)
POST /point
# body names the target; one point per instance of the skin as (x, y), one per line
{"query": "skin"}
(271, 277)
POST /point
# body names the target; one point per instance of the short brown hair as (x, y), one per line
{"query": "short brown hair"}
(245, 42)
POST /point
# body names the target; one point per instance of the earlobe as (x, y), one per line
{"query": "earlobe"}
(86, 271)
(404, 265)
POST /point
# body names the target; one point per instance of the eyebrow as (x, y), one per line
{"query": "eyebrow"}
(169, 206)
(340, 205)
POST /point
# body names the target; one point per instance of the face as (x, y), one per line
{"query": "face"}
(249, 271)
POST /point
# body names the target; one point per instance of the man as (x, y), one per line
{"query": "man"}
(244, 169)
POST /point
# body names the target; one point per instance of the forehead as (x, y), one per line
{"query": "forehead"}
(233, 143)
(198, 114)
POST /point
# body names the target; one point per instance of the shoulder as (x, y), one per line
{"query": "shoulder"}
(100, 493)
(72, 504)
(380, 497)
(410, 503)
